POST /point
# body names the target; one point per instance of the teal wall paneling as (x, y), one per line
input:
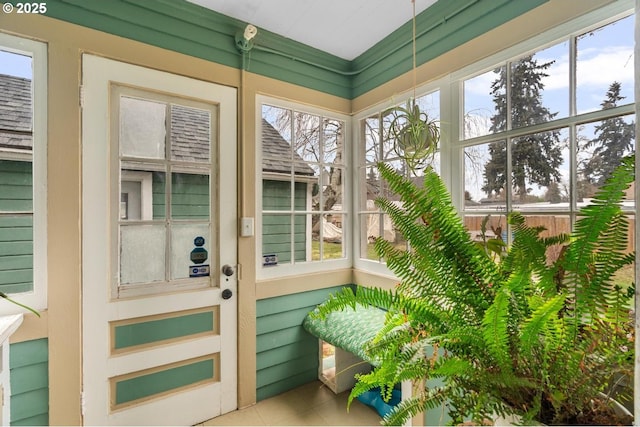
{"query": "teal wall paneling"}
(442, 27)
(29, 365)
(190, 29)
(287, 356)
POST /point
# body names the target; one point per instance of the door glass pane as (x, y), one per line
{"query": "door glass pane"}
(189, 196)
(166, 191)
(190, 134)
(142, 128)
(190, 250)
(142, 253)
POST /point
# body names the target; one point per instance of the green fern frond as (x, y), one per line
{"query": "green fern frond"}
(441, 232)
(407, 408)
(598, 231)
(495, 325)
(533, 328)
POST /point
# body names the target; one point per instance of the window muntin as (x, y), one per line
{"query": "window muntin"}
(304, 176)
(23, 242)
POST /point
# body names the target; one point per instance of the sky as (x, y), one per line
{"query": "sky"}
(15, 65)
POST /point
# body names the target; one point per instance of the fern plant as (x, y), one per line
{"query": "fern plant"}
(513, 333)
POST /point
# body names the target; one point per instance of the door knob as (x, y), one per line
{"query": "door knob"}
(226, 294)
(227, 270)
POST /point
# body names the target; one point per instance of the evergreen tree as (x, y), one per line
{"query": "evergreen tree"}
(535, 158)
(614, 139)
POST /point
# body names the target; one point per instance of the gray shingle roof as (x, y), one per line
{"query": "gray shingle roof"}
(276, 154)
(15, 112)
(190, 130)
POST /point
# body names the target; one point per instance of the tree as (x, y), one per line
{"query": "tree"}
(556, 194)
(307, 133)
(614, 139)
(535, 158)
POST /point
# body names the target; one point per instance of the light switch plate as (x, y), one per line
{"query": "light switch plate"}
(246, 227)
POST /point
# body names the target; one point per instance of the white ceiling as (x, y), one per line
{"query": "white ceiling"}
(345, 28)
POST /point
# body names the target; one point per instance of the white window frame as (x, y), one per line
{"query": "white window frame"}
(37, 297)
(307, 267)
(590, 21)
(451, 112)
(374, 266)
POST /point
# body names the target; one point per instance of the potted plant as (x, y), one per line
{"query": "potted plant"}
(414, 134)
(505, 330)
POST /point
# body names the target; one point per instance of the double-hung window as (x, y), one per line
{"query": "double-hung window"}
(23, 157)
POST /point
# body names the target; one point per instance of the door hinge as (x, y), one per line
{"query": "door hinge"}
(81, 95)
(82, 403)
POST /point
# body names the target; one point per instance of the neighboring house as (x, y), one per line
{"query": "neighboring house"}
(15, 114)
(276, 195)
(16, 209)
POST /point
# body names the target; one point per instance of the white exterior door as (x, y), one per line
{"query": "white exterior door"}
(159, 246)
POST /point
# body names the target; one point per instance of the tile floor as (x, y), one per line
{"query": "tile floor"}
(312, 404)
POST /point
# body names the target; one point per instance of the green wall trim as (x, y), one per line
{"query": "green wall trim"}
(29, 369)
(162, 329)
(440, 28)
(149, 385)
(193, 30)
